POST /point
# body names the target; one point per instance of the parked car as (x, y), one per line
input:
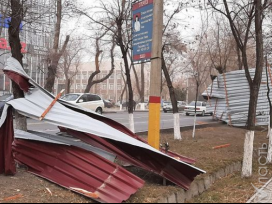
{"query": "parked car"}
(182, 105)
(118, 104)
(88, 101)
(108, 104)
(167, 106)
(125, 105)
(201, 108)
(3, 100)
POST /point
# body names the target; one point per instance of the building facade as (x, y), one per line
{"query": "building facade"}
(36, 39)
(110, 89)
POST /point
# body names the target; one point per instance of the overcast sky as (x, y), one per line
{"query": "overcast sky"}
(190, 19)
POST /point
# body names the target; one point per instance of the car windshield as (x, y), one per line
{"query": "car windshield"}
(5, 97)
(70, 97)
(197, 104)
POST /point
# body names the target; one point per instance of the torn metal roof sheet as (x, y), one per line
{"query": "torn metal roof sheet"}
(99, 131)
(61, 140)
(7, 163)
(78, 170)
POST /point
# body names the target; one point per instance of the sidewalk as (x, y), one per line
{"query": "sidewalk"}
(263, 195)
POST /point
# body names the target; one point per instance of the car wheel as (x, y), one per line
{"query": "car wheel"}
(203, 113)
(99, 111)
(211, 114)
(165, 111)
(187, 114)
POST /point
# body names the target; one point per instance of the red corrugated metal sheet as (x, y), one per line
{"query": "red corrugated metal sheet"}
(18, 79)
(175, 171)
(7, 163)
(74, 168)
(179, 173)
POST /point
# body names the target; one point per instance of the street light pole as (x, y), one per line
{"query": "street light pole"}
(155, 77)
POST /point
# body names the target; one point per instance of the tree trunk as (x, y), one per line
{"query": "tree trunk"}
(68, 85)
(269, 136)
(51, 75)
(15, 44)
(138, 86)
(56, 54)
(91, 81)
(239, 58)
(248, 154)
(177, 133)
(127, 70)
(142, 83)
(254, 92)
(197, 90)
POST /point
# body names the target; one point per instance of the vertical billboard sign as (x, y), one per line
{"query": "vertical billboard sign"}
(142, 30)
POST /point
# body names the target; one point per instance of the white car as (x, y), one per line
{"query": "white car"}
(88, 101)
(167, 106)
(201, 108)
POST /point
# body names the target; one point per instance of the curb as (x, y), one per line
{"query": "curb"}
(185, 128)
(200, 186)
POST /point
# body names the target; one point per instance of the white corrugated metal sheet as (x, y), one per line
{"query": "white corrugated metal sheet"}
(229, 98)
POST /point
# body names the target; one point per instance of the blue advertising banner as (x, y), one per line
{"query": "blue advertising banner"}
(142, 30)
(4, 22)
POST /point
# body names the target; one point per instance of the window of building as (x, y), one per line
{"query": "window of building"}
(78, 76)
(111, 87)
(104, 86)
(78, 86)
(112, 76)
(119, 76)
(85, 76)
(119, 87)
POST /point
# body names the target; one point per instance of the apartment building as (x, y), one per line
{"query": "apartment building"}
(36, 39)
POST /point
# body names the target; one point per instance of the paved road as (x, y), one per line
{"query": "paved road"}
(141, 121)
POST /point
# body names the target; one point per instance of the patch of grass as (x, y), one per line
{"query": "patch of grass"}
(233, 189)
(209, 160)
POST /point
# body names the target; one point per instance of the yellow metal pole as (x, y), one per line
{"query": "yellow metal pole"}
(155, 77)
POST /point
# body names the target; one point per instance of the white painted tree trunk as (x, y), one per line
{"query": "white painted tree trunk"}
(269, 129)
(121, 107)
(269, 155)
(131, 123)
(248, 154)
(194, 131)
(177, 133)
(20, 122)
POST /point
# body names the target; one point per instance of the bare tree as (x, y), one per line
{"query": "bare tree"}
(140, 83)
(116, 18)
(70, 62)
(221, 45)
(172, 42)
(92, 81)
(55, 54)
(245, 13)
(15, 44)
(201, 71)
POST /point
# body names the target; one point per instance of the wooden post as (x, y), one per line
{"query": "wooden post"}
(51, 105)
(155, 77)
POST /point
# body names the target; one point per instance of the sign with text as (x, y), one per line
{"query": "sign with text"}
(4, 45)
(142, 30)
